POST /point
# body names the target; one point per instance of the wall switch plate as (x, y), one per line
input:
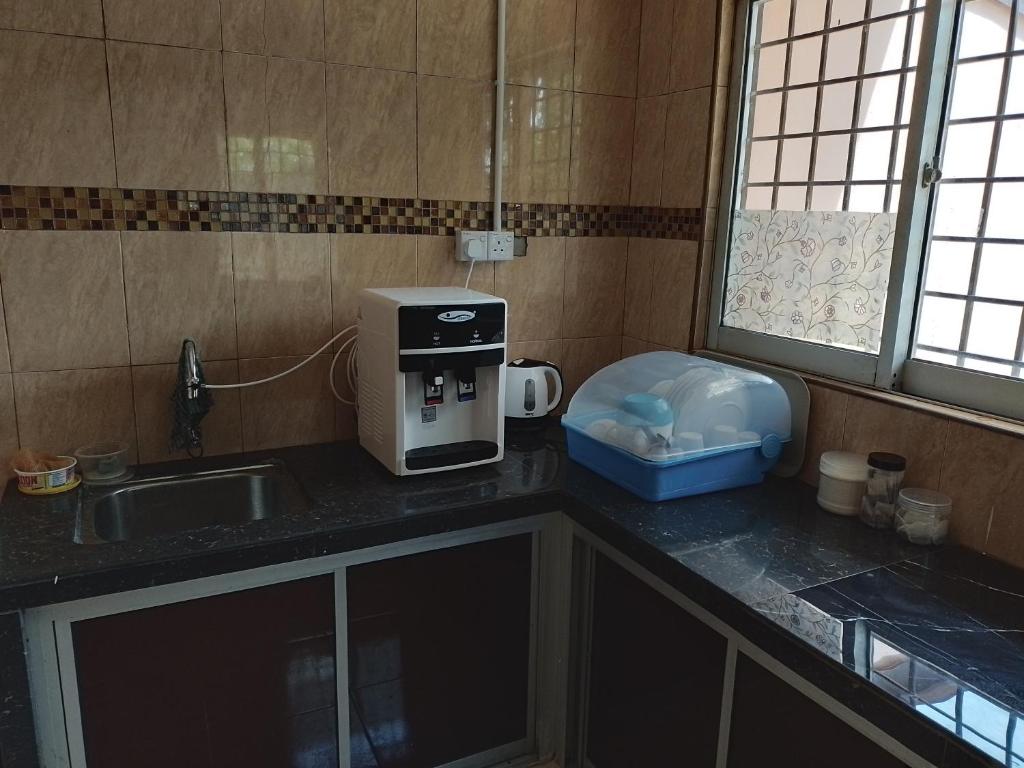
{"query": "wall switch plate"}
(470, 245)
(499, 246)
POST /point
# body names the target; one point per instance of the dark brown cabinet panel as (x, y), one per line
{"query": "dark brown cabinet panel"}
(244, 680)
(774, 724)
(439, 653)
(656, 677)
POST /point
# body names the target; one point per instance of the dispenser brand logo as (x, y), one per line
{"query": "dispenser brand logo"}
(456, 316)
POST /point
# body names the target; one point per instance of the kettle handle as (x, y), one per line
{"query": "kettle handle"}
(557, 376)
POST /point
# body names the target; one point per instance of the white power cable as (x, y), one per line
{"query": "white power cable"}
(350, 367)
(472, 263)
(298, 365)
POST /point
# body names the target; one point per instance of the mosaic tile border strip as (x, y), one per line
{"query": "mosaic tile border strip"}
(164, 210)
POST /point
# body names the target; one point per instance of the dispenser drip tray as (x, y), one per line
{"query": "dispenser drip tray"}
(450, 454)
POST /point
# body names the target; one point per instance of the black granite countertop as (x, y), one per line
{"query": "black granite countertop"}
(925, 643)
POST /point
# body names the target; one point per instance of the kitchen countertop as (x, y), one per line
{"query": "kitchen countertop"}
(928, 644)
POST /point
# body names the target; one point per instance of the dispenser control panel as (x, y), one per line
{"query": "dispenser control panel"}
(448, 326)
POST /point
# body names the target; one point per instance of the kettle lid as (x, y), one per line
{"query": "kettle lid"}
(526, 362)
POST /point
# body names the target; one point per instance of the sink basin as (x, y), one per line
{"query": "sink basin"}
(163, 505)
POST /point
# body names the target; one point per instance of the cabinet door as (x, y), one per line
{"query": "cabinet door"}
(439, 653)
(243, 679)
(774, 724)
(656, 676)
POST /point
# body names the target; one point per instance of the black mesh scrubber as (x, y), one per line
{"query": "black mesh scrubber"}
(190, 402)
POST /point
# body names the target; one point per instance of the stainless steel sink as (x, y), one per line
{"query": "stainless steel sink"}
(163, 505)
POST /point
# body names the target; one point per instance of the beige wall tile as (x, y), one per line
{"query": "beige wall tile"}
(290, 28)
(538, 136)
(55, 120)
(825, 425)
(170, 133)
(436, 265)
(693, 44)
(368, 261)
(716, 145)
(371, 132)
(639, 287)
(686, 139)
(533, 287)
(602, 148)
(631, 346)
(595, 272)
(726, 32)
(222, 427)
(581, 358)
(277, 124)
(655, 47)
(872, 425)
(702, 294)
(974, 474)
(607, 45)
(60, 411)
(188, 23)
(455, 121)
(178, 285)
(380, 34)
(346, 426)
(5, 358)
(63, 300)
(456, 38)
(297, 410)
(66, 17)
(539, 39)
(674, 265)
(648, 150)
(282, 293)
(8, 429)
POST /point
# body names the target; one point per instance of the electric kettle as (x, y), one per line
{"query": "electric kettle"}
(529, 395)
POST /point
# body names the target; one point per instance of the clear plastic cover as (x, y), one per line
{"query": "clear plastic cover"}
(664, 406)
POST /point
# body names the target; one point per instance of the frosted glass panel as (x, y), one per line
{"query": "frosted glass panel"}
(809, 275)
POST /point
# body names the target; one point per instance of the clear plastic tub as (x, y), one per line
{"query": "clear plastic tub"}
(666, 425)
(103, 461)
(922, 516)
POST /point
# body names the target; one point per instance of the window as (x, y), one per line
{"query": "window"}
(873, 230)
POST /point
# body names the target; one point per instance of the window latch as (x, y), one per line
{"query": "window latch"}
(931, 174)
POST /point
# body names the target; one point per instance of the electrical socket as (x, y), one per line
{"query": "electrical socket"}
(499, 246)
(470, 245)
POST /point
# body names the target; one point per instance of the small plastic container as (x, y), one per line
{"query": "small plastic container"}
(885, 478)
(103, 461)
(49, 481)
(842, 480)
(922, 515)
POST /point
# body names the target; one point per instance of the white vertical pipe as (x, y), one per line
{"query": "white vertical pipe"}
(499, 115)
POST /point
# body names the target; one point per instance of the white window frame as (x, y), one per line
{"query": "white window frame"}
(892, 368)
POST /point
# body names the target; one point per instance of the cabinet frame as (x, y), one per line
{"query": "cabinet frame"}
(587, 545)
(53, 676)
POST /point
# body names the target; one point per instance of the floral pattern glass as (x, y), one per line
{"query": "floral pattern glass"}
(811, 275)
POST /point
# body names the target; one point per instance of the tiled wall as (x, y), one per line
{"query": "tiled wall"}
(981, 470)
(683, 71)
(129, 116)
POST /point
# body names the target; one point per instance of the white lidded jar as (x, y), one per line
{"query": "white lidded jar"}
(842, 480)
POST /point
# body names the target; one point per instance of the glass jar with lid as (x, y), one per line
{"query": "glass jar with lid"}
(922, 516)
(885, 478)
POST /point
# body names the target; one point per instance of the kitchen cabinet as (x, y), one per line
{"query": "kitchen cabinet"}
(655, 678)
(439, 653)
(241, 679)
(774, 724)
